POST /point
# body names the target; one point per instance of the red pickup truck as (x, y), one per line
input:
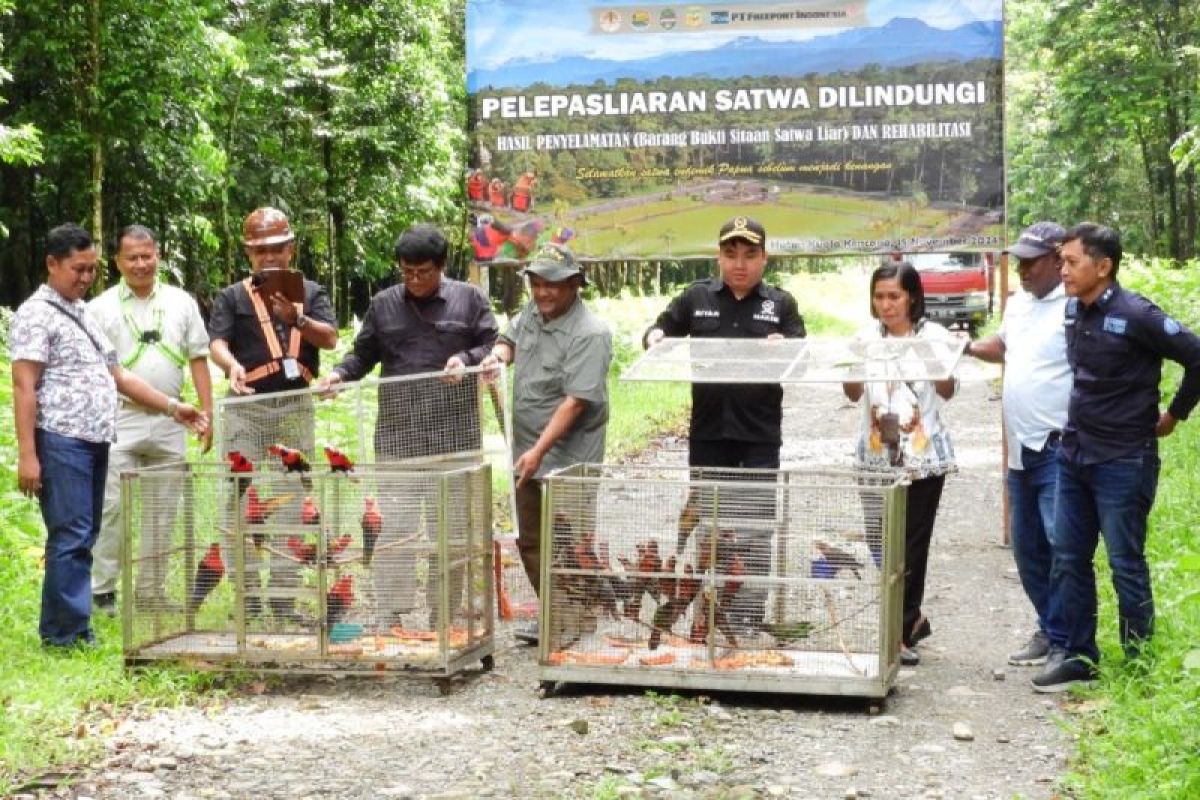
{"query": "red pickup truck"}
(958, 287)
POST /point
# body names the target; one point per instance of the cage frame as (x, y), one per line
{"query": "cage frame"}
(891, 595)
(449, 661)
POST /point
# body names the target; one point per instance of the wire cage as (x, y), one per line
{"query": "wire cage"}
(385, 567)
(722, 579)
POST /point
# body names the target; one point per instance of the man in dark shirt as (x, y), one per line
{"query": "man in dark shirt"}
(268, 345)
(736, 425)
(1108, 459)
(427, 324)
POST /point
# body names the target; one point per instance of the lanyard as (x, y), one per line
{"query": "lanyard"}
(143, 337)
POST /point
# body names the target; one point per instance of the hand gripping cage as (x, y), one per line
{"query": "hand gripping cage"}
(722, 579)
(372, 552)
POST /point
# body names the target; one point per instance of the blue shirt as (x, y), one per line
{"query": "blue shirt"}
(1116, 347)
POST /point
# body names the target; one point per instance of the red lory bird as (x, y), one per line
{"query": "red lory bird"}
(372, 525)
(209, 572)
(338, 461)
(339, 598)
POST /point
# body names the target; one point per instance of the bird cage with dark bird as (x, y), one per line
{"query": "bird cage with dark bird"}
(370, 568)
(722, 579)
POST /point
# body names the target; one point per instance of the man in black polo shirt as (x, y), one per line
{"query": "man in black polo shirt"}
(736, 425)
(265, 345)
(425, 324)
(1108, 459)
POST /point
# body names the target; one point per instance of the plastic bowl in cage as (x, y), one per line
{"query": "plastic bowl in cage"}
(342, 632)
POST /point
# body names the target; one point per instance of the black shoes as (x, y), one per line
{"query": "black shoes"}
(1063, 672)
(909, 657)
(1033, 654)
(105, 603)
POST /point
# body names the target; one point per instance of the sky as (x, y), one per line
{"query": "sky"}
(500, 31)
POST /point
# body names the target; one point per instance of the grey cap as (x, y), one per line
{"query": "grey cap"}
(1038, 239)
(554, 263)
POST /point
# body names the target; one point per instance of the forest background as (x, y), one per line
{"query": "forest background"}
(351, 117)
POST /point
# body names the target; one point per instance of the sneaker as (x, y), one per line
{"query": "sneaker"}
(1034, 653)
(527, 633)
(921, 629)
(909, 657)
(105, 603)
(1061, 673)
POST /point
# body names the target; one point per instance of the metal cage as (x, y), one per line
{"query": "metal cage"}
(386, 567)
(722, 579)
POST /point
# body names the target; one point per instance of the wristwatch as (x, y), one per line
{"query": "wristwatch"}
(301, 321)
(172, 406)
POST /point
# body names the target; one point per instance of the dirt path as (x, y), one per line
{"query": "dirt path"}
(493, 737)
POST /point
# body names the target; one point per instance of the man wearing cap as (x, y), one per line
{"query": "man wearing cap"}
(561, 353)
(267, 345)
(1108, 459)
(1032, 345)
(736, 425)
(160, 337)
(426, 324)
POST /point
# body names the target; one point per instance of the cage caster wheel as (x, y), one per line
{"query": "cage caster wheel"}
(487, 663)
(547, 689)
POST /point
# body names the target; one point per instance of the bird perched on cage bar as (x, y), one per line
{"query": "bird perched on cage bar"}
(372, 526)
(338, 461)
(238, 463)
(293, 460)
(339, 599)
(209, 572)
(647, 560)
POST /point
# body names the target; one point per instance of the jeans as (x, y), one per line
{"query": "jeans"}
(72, 497)
(1032, 491)
(1111, 499)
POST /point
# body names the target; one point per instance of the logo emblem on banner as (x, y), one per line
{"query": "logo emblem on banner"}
(640, 20)
(610, 21)
(666, 19)
(694, 17)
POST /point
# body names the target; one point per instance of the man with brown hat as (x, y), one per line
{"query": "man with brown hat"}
(736, 425)
(268, 343)
(561, 353)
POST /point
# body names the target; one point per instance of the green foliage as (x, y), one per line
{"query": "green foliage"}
(1138, 736)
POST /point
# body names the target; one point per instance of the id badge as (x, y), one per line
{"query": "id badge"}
(291, 370)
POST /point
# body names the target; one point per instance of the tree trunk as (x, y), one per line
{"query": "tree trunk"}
(93, 111)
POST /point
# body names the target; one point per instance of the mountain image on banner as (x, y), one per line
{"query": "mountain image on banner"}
(901, 42)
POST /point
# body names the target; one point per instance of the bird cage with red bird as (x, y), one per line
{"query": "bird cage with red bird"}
(722, 579)
(263, 565)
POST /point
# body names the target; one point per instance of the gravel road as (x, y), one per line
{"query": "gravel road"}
(961, 725)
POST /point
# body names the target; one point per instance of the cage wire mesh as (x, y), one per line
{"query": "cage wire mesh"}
(388, 567)
(833, 360)
(757, 580)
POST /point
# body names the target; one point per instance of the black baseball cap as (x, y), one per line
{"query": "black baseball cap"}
(1038, 239)
(742, 228)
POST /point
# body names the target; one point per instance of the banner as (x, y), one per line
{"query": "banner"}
(635, 130)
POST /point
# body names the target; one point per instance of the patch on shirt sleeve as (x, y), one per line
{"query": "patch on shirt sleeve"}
(1115, 325)
(1171, 327)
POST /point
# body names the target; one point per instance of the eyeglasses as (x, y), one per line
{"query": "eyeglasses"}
(418, 273)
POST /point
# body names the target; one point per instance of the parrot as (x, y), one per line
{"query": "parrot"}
(209, 572)
(239, 463)
(293, 461)
(309, 513)
(339, 598)
(305, 553)
(338, 461)
(372, 525)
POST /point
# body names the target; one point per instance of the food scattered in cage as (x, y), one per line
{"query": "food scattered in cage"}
(758, 580)
(378, 567)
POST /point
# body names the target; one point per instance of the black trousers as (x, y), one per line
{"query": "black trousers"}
(924, 495)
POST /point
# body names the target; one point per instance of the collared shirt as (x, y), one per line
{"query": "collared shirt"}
(1116, 347)
(167, 310)
(233, 319)
(564, 357)
(76, 394)
(751, 412)
(1037, 377)
(925, 448)
(408, 335)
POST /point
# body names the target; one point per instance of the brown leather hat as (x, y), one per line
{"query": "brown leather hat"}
(266, 226)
